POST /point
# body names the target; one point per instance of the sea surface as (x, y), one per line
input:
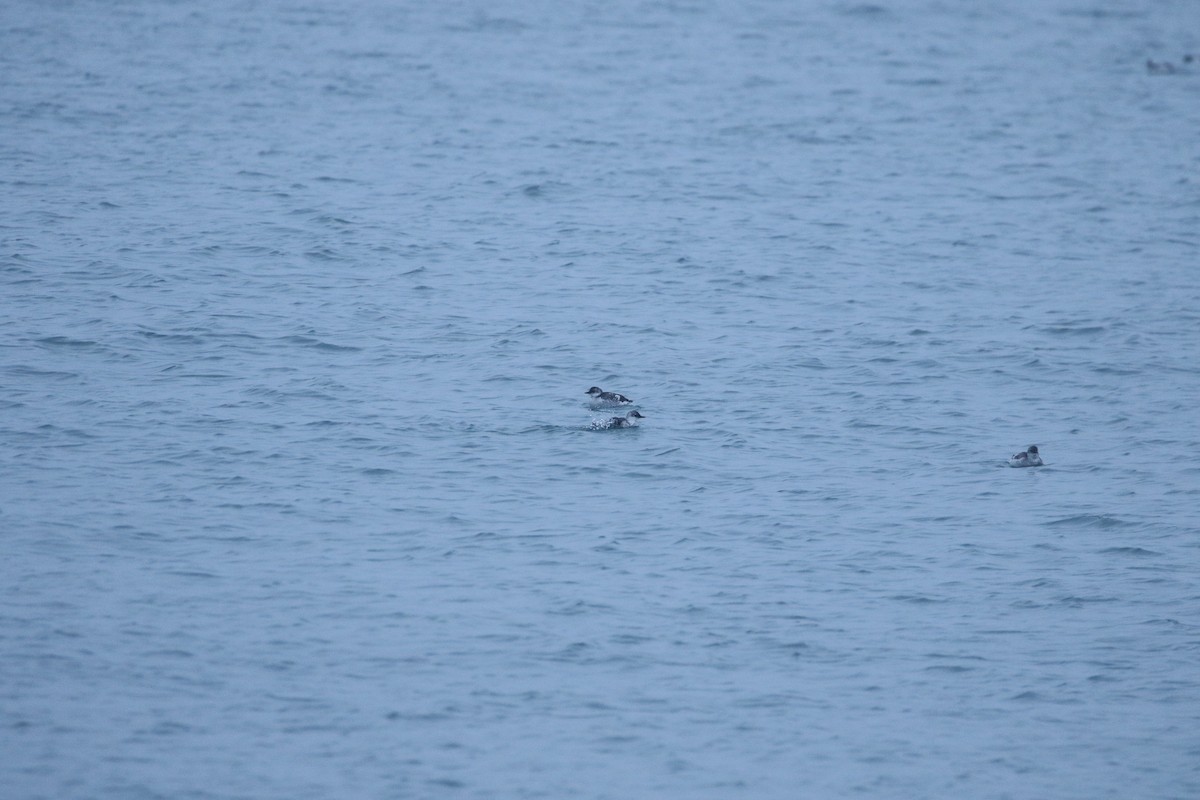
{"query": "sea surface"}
(299, 495)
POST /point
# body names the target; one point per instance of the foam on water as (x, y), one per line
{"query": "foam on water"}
(299, 497)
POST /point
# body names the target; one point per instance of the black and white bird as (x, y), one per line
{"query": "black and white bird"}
(1029, 458)
(603, 398)
(630, 420)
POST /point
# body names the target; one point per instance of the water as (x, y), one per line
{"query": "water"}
(300, 303)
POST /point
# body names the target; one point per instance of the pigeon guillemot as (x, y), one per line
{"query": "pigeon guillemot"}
(608, 398)
(627, 421)
(1029, 458)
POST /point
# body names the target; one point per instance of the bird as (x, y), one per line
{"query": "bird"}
(627, 421)
(1029, 458)
(601, 397)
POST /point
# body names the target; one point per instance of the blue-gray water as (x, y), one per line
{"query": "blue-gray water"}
(300, 303)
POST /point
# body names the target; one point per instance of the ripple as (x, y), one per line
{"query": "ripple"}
(1129, 551)
(66, 341)
(34, 372)
(1074, 330)
(1090, 521)
(318, 344)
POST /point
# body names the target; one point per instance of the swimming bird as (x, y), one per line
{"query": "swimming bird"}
(1168, 68)
(1029, 458)
(627, 421)
(602, 397)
